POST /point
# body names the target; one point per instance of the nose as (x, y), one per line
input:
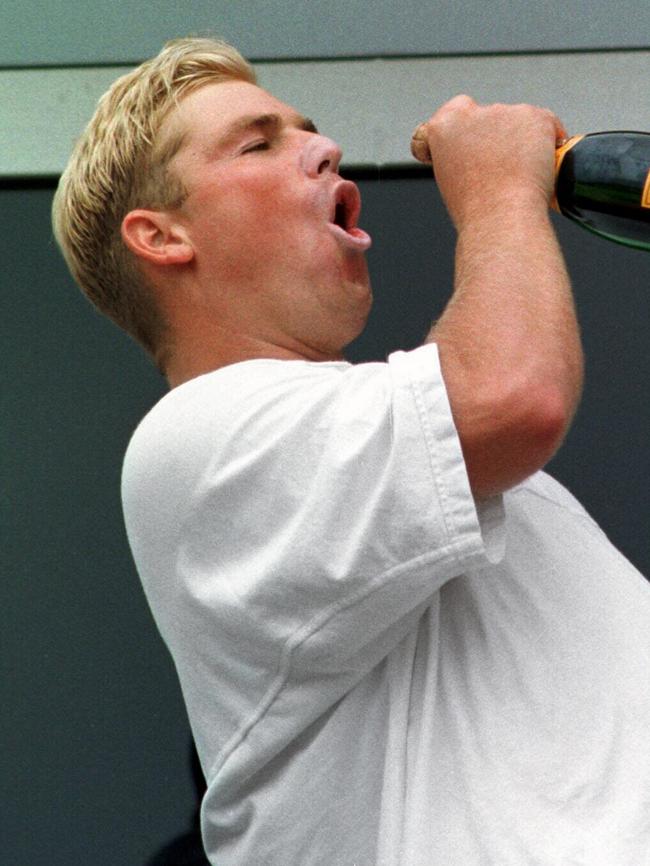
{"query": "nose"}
(320, 155)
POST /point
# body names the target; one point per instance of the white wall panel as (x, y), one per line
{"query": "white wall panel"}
(369, 106)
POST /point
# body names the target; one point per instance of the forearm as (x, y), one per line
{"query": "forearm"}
(509, 342)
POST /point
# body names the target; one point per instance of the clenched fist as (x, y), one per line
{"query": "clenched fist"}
(482, 153)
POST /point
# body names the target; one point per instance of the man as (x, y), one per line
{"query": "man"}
(398, 641)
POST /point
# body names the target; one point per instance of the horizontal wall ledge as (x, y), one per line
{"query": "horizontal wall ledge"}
(369, 106)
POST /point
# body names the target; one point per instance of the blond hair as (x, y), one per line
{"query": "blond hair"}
(119, 164)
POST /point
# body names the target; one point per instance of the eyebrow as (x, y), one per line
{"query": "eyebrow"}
(265, 122)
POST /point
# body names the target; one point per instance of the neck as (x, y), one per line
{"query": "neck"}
(194, 356)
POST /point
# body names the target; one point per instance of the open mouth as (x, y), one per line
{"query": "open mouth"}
(340, 216)
(345, 213)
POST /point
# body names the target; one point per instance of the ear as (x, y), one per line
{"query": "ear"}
(156, 237)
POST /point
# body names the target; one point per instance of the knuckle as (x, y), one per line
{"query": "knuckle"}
(462, 100)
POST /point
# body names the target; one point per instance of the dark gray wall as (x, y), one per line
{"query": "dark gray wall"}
(94, 736)
(61, 32)
(90, 705)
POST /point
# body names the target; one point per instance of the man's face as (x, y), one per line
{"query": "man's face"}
(272, 223)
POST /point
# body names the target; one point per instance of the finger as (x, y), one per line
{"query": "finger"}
(561, 133)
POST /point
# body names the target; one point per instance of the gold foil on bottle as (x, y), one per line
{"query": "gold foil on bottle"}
(561, 150)
(645, 196)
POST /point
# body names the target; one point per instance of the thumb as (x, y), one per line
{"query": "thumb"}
(420, 144)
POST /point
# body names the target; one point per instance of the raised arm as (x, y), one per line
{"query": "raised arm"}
(508, 339)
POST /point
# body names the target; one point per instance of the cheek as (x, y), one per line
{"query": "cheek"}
(281, 233)
(249, 226)
(277, 212)
(263, 221)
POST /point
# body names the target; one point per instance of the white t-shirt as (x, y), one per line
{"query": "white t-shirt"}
(376, 672)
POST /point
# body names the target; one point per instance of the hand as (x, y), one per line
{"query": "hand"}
(491, 153)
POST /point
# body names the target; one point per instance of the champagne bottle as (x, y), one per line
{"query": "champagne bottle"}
(602, 181)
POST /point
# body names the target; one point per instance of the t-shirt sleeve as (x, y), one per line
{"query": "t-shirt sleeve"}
(329, 505)
(334, 486)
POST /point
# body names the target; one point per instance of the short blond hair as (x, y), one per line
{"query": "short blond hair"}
(118, 164)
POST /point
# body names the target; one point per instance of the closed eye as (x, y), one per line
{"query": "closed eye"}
(257, 145)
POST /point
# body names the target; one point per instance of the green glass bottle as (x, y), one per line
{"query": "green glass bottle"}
(602, 181)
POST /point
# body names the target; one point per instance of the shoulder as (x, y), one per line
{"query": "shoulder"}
(266, 392)
(221, 414)
(272, 420)
(212, 401)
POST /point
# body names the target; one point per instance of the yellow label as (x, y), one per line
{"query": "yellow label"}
(560, 152)
(645, 198)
